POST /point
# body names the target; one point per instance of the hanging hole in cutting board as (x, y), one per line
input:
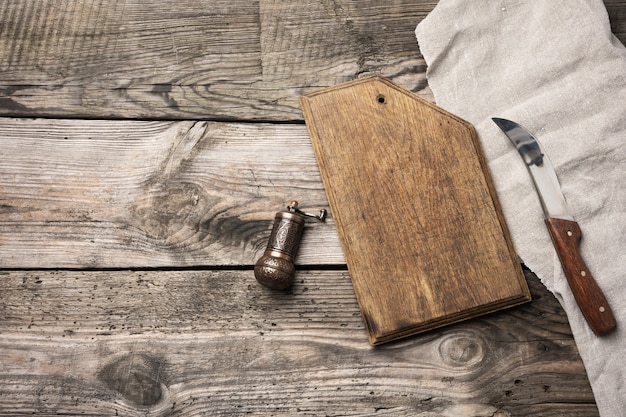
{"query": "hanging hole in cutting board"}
(381, 99)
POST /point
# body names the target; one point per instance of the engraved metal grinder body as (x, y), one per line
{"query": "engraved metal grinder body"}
(276, 269)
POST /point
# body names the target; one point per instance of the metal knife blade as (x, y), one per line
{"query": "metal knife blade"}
(564, 230)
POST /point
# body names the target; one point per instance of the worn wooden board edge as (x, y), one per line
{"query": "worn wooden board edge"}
(376, 338)
(450, 319)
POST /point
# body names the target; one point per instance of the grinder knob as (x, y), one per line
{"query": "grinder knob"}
(276, 269)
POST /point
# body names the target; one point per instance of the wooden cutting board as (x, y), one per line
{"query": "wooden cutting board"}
(417, 214)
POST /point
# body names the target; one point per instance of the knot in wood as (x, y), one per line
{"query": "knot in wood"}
(463, 350)
(137, 377)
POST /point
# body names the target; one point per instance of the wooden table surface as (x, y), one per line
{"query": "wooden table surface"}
(145, 147)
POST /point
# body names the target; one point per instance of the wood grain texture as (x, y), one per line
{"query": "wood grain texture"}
(417, 216)
(186, 59)
(148, 194)
(216, 343)
(196, 60)
(566, 235)
(105, 195)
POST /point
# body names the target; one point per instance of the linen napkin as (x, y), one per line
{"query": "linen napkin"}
(555, 68)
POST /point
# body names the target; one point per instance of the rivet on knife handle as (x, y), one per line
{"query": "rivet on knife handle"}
(563, 229)
(594, 306)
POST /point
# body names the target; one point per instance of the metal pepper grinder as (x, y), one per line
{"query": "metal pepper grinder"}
(275, 269)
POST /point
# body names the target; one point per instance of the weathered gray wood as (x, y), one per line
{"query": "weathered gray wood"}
(148, 194)
(196, 60)
(192, 60)
(217, 343)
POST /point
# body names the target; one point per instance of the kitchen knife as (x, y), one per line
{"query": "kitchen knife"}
(563, 229)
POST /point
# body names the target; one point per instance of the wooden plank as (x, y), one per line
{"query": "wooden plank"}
(192, 60)
(96, 194)
(184, 60)
(217, 343)
(417, 215)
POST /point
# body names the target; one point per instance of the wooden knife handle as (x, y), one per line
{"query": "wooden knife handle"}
(566, 235)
